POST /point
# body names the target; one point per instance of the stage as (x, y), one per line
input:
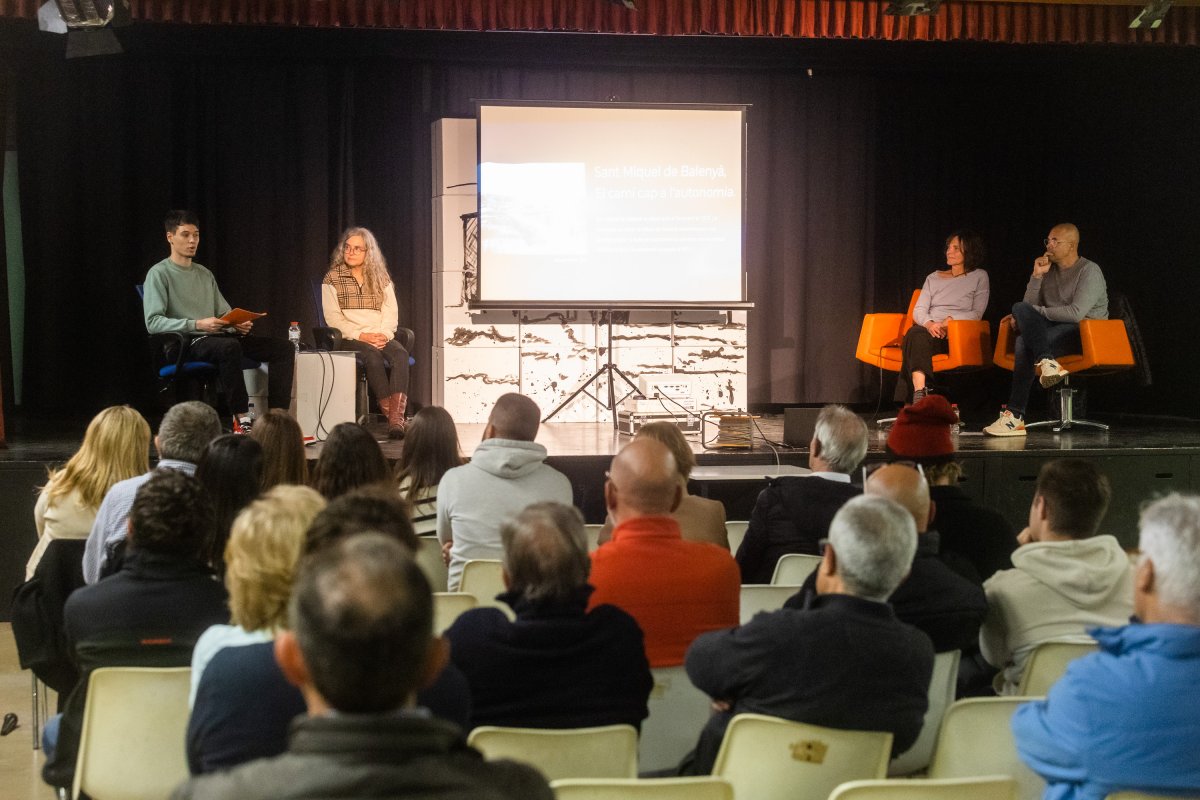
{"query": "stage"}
(1143, 457)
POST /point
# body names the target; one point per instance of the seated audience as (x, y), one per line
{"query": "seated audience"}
(430, 450)
(116, 446)
(1125, 718)
(244, 705)
(186, 430)
(557, 665)
(700, 519)
(151, 612)
(231, 469)
(349, 458)
(933, 598)
(360, 644)
(284, 459)
(1065, 578)
(793, 513)
(232, 718)
(506, 473)
(675, 589)
(976, 541)
(843, 661)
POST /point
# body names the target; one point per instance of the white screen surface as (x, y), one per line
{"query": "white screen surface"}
(610, 204)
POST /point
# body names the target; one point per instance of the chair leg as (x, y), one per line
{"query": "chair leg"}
(38, 701)
(1066, 407)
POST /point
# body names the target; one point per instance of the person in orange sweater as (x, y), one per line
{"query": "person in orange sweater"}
(675, 589)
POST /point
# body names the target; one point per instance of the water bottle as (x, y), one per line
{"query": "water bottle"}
(957, 426)
(294, 335)
(250, 412)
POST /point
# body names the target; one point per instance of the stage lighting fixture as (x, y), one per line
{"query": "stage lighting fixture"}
(87, 24)
(630, 4)
(1152, 15)
(912, 8)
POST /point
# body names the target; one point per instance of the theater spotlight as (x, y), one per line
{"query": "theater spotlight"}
(87, 24)
(912, 8)
(630, 4)
(1152, 15)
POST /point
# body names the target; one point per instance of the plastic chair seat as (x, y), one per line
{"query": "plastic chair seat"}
(1105, 348)
(881, 335)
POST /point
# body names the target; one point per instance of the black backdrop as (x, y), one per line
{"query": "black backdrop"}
(281, 137)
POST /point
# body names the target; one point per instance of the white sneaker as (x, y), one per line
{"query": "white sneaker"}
(1008, 424)
(1050, 372)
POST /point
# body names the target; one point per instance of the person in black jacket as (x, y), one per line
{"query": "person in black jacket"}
(792, 514)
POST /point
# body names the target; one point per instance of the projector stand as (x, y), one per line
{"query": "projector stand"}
(607, 370)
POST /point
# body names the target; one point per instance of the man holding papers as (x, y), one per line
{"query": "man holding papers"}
(182, 296)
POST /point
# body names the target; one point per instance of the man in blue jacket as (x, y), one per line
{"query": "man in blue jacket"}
(1128, 717)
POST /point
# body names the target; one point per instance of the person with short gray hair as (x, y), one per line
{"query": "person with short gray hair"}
(793, 513)
(557, 665)
(186, 430)
(843, 661)
(1124, 718)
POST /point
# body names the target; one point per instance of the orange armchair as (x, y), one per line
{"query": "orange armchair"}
(1105, 349)
(879, 341)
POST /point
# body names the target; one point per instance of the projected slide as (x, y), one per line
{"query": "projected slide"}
(610, 204)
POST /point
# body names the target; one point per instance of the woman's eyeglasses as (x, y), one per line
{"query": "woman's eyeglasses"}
(353, 249)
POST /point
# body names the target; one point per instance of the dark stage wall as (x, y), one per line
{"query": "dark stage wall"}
(280, 137)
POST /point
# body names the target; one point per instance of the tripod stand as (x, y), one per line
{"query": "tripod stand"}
(607, 370)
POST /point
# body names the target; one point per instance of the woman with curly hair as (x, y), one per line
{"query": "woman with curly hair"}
(359, 299)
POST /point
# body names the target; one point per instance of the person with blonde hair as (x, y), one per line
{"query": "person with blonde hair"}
(264, 549)
(358, 298)
(700, 519)
(115, 446)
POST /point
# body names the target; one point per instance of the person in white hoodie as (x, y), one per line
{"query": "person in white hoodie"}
(1065, 577)
(506, 473)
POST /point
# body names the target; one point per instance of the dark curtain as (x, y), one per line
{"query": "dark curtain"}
(7, 143)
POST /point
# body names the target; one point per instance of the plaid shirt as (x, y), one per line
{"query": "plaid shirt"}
(350, 292)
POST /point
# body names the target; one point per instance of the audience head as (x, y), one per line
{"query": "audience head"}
(643, 481)
(186, 430)
(264, 549)
(372, 508)
(1166, 586)
(873, 541)
(361, 619)
(514, 416)
(921, 432)
(116, 446)
(172, 515)
(430, 449)
(669, 434)
(231, 470)
(839, 441)
(350, 458)
(970, 244)
(1072, 496)
(545, 553)
(903, 484)
(284, 459)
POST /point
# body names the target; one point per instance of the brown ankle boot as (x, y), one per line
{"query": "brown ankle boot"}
(394, 407)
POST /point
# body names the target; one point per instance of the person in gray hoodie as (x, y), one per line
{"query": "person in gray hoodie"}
(506, 473)
(1065, 577)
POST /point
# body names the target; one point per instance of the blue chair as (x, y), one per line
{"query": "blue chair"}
(329, 338)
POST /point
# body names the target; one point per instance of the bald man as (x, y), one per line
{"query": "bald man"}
(1064, 289)
(935, 599)
(507, 472)
(675, 589)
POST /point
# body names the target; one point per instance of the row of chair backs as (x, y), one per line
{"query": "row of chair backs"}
(697, 788)
(1048, 662)
(609, 751)
(976, 739)
(793, 569)
(941, 694)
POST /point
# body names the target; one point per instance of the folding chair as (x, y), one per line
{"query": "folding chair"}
(609, 751)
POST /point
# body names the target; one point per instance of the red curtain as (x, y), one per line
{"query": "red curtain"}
(1017, 23)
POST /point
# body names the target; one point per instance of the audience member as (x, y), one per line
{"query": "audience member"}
(186, 430)
(115, 447)
(793, 513)
(675, 589)
(375, 508)
(150, 613)
(349, 458)
(700, 519)
(359, 647)
(237, 712)
(1125, 718)
(1065, 578)
(976, 541)
(557, 665)
(284, 459)
(430, 450)
(506, 473)
(844, 660)
(231, 469)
